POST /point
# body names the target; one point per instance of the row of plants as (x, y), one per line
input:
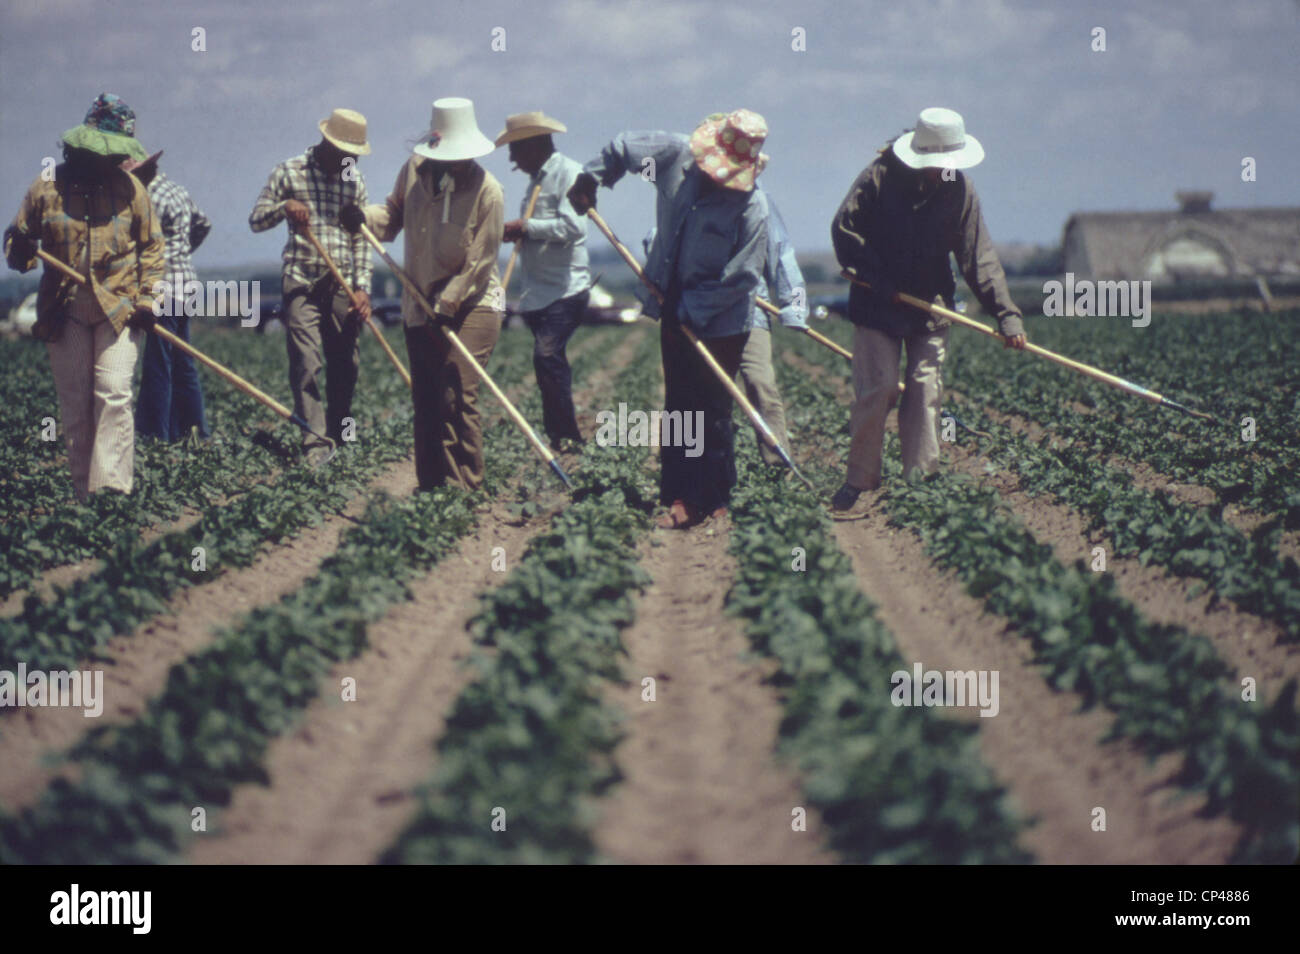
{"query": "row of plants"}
(892, 785)
(47, 527)
(208, 730)
(1168, 689)
(1255, 374)
(529, 742)
(136, 580)
(1153, 527)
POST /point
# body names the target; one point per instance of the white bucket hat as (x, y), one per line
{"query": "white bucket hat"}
(939, 142)
(453, 134)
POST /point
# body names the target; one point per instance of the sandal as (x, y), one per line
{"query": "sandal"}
(679, 517)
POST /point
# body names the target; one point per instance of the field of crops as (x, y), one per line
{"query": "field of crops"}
(321, 667)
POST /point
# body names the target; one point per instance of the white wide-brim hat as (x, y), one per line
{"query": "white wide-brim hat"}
(939, 141)
(453, 134)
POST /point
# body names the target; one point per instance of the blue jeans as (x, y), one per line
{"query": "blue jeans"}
(171, 400)
(552, 327)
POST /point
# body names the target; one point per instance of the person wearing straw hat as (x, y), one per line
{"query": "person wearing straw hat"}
(170, 405)
(309, 190)
(707, 257)
(453, 213)
(903, 216)
(96, 218)
(553, 255)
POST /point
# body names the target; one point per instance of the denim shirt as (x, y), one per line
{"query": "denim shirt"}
(553, 254)
(714, 245)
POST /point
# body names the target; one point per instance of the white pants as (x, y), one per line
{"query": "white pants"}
(92, 366)
(875, 387)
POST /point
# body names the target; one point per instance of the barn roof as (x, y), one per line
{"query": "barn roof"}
(1195, 241)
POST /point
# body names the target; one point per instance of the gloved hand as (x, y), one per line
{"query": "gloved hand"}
(142, 319)
(20, 250)
(352, 217)
(583, 194)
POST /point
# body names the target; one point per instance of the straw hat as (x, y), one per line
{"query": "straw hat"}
(528, 125)
(108, 129)
(453, 133)
(728, 146)
(346, 129)
(939, 142)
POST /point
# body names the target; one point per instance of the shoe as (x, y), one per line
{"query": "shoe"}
(845, 498)
(567, 445)
(680, 516)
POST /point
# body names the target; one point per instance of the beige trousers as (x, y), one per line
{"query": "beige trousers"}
(875, 386)
(92, 366)
(758, 378)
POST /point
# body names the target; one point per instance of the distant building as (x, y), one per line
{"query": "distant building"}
(1193, 242)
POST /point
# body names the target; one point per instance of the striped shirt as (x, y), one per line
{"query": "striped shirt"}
(184, 227)
(324, 193)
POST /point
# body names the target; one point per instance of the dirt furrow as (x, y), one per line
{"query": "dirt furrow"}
(1039, 744)
(702, 782)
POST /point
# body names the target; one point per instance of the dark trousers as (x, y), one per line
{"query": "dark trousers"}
(444, 390)
(690, 385)
(316, 322)
(552, 327)
(171, 398)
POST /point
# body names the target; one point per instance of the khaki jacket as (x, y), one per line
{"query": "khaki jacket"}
(116, 219)
(458, 255)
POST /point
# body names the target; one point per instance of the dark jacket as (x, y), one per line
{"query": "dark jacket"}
(886, 230)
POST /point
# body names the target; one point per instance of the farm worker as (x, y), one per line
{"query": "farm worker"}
(553, 257)
(783, 285)
(171, 399)
(707, 257)
(96, 218)
(902, 217)
(309, 190)
(453, 211)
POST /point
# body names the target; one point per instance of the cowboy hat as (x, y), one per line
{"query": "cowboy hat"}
(728, 146)
(453, 132)
(108, 129)
(939, 141)
(528, 125)
(346, 129)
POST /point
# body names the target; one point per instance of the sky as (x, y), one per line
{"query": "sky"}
(1184, 90)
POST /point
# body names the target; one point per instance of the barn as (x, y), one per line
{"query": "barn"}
(1192, 242)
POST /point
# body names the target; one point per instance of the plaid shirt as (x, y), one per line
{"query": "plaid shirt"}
(110, 221)
(324, 193)
(184, 227)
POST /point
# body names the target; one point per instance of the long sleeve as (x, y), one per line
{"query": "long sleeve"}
(782, 275)
(268, 211)
(362, 265)
(568, 226)
(481, 258)
(27, 222)
(850, 232)
(980, 266)
(386, 220)
(638, 152)
(200, 226)
(728, 300)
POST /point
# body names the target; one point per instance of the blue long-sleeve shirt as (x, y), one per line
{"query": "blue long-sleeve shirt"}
(783, 283)
(554, 250)
(712, 245)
